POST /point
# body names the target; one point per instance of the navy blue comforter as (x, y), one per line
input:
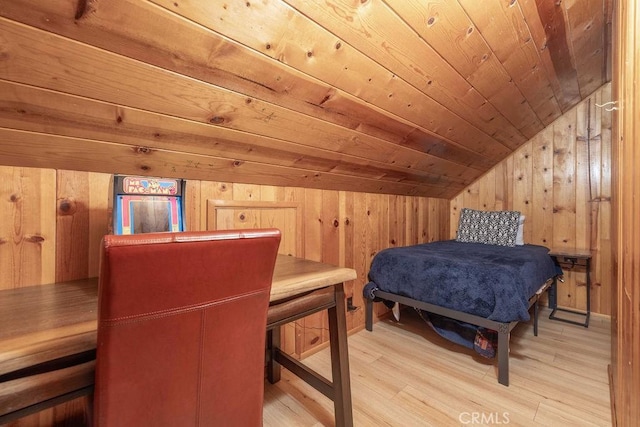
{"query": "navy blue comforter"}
(494, 282)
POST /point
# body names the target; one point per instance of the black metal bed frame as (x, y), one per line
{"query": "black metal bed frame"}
(503, 328)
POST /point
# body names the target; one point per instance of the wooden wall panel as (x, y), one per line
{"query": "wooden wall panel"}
(28, 228)
(82, 216)
(564, 200)
(625, 214)
(561, 181)
(542, 179)
(59, 217)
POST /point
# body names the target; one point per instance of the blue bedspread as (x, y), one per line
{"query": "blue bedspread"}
(494, 282)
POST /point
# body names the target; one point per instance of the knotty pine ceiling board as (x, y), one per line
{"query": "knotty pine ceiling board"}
(502, 25)
(374, 29)
(586, 20)
(552, 19)
(154, 89)
(448, 30)
(98, 19)
(537, 28)
(291, 38)
(82, 118)
(398, 96)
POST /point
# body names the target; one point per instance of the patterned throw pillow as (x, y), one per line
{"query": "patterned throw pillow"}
(489, 227)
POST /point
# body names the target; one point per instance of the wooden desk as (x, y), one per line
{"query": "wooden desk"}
(48, 337)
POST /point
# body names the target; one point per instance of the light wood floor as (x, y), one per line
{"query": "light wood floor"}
(403, 374)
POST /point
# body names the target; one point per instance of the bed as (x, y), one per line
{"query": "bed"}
(466, 282)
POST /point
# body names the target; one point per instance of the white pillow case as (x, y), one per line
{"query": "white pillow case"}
(520, 235)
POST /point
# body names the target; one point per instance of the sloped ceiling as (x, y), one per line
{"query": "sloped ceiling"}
(406, 97)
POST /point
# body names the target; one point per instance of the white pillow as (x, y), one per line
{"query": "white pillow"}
(520, 235)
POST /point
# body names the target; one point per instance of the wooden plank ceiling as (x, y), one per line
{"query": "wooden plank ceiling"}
(407, 97)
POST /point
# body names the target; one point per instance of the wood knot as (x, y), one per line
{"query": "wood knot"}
(143, 150)
(81, 9)
(238, 163)
(336, 223)
(216, 120)
(15, 198)
(35, 238)
(67, 206)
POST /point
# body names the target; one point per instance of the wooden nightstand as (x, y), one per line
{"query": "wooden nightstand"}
(570, 259)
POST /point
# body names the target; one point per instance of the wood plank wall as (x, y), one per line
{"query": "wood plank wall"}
(53, 223)
(55, 220)
(561, 181)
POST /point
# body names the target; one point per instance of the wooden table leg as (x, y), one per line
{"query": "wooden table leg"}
(340, 360)
(273, 343)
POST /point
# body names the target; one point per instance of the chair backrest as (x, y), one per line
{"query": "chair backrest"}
(181, 328)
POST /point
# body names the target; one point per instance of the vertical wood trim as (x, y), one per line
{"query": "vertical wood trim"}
(193, 214)
(625, 344)
(72, 223)
(99, 217)
(361, 232)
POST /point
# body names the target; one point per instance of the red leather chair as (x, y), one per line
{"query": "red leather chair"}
(181, 328)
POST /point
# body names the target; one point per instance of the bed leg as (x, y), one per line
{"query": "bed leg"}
(536, 312)
(503, 356)
(368, 307)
